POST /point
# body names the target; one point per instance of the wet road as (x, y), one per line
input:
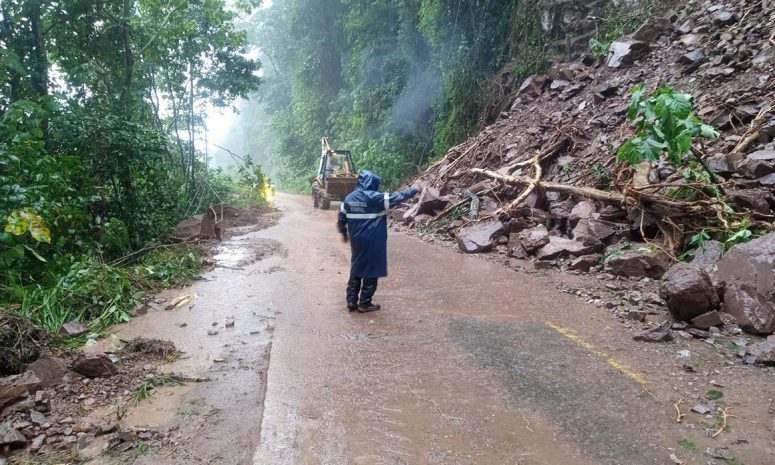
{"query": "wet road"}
(467, 363)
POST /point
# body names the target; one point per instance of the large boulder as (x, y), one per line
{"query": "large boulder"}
(600, 230)
(430, 200)
(748, 274)
(688, 291)
(533, 86)
(625, 52)
(50, 370)
(637, 262)
(94, 366)
(478, 237)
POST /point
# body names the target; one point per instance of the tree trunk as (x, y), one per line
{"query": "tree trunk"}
(129, 59)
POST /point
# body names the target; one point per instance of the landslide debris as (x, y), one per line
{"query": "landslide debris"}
(543, 181)
(222, 221)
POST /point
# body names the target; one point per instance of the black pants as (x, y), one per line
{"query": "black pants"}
(365, 287)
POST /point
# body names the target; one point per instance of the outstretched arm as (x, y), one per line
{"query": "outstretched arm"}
(399, 197)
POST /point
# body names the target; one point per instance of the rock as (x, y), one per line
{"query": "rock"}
(398, 214)
(558, 84)
(17, 387)
(478, 237)
(517, 252)
(691, 40)
(652, 29)
(429, 201)
(723, 17)
(688, 291)
(559, 246)
(768, 180)
(698, 333)
(582, 210)
(11, 438)
(692, 57)
(561, 209)
(719, 164)
(94, 366)
(707, 320)
(37, 443)
(585, 262)
(38, 418)
(752, 199)
(659, 333)
(760, 163)
(748, 273)
(534, 238)
(764, 58)
(599, 230)
(73, 329)
(636, 315)
(701, 409)
(532, 86)
(764, 351)
(50, 370)
(626, 52)
(708, 254)
(634, 263)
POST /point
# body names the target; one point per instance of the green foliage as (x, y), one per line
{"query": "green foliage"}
(664, 123)
(687, 444)
(108, 163)
(714, 394)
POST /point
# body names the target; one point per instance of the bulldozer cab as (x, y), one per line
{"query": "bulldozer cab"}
(336, 164)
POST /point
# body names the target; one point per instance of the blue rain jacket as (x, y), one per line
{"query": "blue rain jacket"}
(363, 216)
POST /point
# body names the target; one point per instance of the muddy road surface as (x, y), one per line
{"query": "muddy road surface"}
(468, 363)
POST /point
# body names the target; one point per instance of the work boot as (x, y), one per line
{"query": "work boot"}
(369, 307)
(353, 289)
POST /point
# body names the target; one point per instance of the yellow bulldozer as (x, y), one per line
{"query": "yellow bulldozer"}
(336, 176)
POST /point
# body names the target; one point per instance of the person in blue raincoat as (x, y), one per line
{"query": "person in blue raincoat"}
(363, 221)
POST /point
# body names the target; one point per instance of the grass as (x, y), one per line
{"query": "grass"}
(144, 391)
(99, 293)
(687, 444)
(714, 394)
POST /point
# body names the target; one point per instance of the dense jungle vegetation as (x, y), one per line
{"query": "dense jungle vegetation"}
(101, 103)
(397, 82)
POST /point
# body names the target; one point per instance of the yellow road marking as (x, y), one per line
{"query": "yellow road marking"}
(637, 377)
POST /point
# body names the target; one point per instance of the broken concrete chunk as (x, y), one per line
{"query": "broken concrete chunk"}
(748, 271)
(94, 366)
(688, 291)
(478, 237)
(625, 52)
